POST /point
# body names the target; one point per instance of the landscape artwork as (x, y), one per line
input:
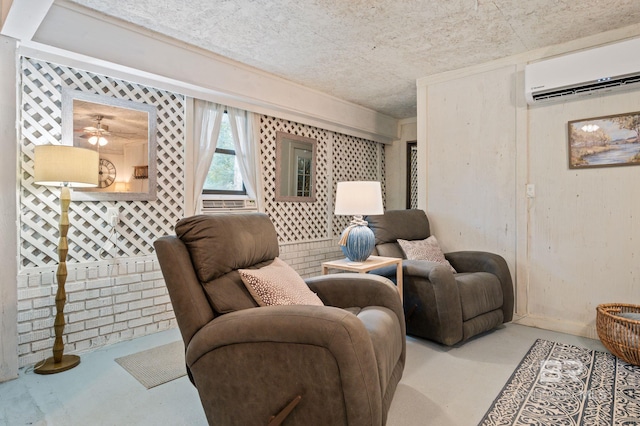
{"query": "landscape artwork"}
(605, 141)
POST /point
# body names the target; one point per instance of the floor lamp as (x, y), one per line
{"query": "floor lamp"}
(63, 166)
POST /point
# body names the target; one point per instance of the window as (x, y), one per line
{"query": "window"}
(303, 172)
(224, 175)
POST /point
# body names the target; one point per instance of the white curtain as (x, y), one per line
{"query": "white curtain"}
(245, 132)
(209, 115)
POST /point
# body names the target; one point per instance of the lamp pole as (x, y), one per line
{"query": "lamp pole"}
(60, 362)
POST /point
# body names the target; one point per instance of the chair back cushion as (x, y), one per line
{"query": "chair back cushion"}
(398, 224)
(221, 244)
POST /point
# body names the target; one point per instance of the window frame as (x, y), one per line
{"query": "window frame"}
(224, 151)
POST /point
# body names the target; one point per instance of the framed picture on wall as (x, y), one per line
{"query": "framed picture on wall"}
(607, 141)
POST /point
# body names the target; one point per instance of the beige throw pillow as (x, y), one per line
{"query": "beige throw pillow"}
(278, 284)
(428, 249)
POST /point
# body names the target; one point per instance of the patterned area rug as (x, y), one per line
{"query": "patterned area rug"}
(558, 384)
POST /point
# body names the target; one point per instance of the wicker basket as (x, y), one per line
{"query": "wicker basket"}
(618, 334)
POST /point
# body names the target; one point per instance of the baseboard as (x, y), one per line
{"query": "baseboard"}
(561, 326)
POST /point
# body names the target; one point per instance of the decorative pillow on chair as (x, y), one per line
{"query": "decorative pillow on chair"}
(278, 284)
(428, 249)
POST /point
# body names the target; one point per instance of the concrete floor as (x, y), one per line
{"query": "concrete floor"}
(440, 386)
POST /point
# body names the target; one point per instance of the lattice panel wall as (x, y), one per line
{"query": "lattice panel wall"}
(413, 174)
(295, 221)
(141, 221)
(355, 159)
(339, 157)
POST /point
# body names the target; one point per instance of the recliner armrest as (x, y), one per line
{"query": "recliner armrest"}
(475, 261)
(420, 268)
(481, 261)
(346, 290)
(445, 291)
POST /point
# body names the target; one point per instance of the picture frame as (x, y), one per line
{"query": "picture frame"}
(607, 141)
(129, 132)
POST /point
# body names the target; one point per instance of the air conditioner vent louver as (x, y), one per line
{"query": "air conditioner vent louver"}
(228, 206)
(588, 88)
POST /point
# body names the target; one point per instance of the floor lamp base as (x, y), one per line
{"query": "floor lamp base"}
(49, 366)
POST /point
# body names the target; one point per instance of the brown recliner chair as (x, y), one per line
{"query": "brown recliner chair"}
(308, 365)
(439, 305)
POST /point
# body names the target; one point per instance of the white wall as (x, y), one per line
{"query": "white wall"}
(470, 163)
(584, 223)
(8, 215)
(396, 165)
(571, 247)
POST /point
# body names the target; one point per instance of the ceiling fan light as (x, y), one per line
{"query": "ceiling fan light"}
(93, 140)
(102, 141)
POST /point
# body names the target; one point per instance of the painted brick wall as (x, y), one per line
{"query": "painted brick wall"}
(107, 302)
(306, 258)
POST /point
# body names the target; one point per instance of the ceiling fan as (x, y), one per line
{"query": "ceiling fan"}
(96, 135)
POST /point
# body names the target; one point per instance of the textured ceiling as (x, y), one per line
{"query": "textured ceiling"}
(370, 52)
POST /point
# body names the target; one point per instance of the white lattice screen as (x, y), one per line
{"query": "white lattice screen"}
(413, 173)
(141, 221)
(339, 157)
(125, 297)
(355, 159)
(294, 221)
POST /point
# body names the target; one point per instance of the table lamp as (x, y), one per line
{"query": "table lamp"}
(358, 199)
(63, 166)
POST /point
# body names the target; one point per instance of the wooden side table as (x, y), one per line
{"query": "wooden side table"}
(373, 262)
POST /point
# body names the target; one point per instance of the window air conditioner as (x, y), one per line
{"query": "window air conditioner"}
(228, 206)
(603, 69)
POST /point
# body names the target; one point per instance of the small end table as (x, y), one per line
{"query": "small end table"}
(373, 262)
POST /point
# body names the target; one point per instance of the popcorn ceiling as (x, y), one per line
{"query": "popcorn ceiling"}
(371, 52)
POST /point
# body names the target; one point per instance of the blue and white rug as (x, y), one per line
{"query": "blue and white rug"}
(558, 384)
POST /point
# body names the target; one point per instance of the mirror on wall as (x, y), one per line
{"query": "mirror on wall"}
(124, 134)
(295, 168)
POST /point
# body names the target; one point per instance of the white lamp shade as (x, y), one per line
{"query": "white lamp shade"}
(359, 198)
(64, 165)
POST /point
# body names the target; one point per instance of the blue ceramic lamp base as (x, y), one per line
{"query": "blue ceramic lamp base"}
(359, 243)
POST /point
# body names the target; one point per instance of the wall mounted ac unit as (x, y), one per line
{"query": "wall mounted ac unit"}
(228, 206)
(602, 69)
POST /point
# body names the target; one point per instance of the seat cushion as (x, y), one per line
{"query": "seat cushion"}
(480, 292)
(386, 336)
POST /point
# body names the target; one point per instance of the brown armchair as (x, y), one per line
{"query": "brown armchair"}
(441, 305)
(336, 364)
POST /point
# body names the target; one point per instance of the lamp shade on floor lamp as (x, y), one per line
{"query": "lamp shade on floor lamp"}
(65, 167)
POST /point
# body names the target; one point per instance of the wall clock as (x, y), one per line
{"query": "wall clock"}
(106, 173)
